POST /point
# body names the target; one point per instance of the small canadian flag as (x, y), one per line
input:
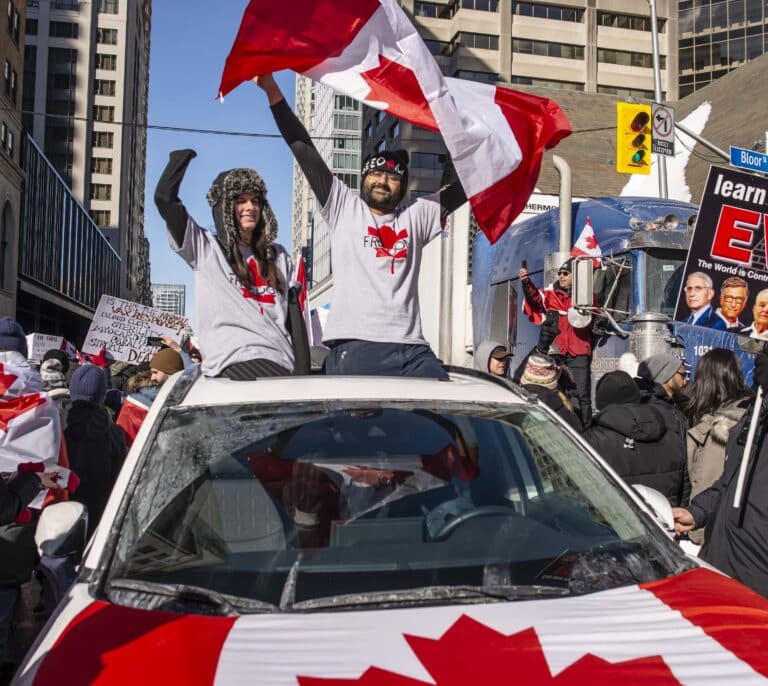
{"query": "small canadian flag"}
(586, 244)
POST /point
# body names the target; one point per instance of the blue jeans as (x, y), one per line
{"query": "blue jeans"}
(8, 597)
(383, 359)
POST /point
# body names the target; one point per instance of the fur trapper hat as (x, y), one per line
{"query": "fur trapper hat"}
(221, 197)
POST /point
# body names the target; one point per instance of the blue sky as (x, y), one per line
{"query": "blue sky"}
(190, 42)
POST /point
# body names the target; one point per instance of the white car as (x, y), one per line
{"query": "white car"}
(320, 531)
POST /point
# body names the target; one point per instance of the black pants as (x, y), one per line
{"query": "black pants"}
(383, 359)
(580, 367)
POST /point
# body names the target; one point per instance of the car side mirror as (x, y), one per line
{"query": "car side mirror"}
(582, 286)
(659, 507)
(61, 537)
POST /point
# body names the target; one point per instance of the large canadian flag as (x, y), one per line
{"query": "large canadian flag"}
(369, 50)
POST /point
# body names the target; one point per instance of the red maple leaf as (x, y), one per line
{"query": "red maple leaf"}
(397, 85)
(590, 241)
(261, 291)
(11, 409)
(472, 653)
(6, 380)
(391, 244)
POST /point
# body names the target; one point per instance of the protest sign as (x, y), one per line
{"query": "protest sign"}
(40, 343)
(725, 281)
(121, 327)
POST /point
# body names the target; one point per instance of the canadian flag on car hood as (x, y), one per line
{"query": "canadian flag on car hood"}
(30, 430)
(698, 628)
(369, 50)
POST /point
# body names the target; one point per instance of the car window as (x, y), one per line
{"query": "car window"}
(305, 503)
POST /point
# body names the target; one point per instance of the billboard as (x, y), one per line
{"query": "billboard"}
(725, 282)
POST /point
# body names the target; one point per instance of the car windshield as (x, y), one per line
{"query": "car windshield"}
(308, 505)
(664, 272)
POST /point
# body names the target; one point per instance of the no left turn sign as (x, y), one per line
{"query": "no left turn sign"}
(663, 120)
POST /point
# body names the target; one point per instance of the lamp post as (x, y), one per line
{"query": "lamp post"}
(660, 159)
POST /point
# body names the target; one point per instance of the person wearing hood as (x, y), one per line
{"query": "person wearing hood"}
(241, 274)
(55, 383)
(492, 357)
(541, 376)
(630, 435)
(95, 444)
(575, 343)
(377, 239)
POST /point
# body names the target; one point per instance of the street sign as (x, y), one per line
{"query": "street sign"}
(663, 119)
(749, 159)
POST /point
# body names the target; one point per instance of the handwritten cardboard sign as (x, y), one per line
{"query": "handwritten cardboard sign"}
(121, 327)
(40, 343)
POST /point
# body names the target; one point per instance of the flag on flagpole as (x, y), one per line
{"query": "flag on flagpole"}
(301, 278)
(586, 244)
(369, 50)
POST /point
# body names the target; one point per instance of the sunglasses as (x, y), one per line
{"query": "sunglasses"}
(563, 272)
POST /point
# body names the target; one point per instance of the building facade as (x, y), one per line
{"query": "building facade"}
(334, 122)
(86, 78)
(717, 37)
(11, 177)
(170, 297)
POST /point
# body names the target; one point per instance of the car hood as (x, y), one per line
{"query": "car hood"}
(696, 628)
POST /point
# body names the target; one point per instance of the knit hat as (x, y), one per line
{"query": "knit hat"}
(88, 383)
(52, 374)
(12, 336)
(60, 355)
(616, 388)
(542, 371)
(167, 360)
(566, 266)
(392, 162)
(221, 197)
(660, 367)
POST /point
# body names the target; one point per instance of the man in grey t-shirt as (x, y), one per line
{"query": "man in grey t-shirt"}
(374, 325)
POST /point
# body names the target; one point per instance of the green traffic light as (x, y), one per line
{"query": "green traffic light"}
(638, 157)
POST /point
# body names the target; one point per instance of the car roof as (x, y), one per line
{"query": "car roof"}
(465, 385)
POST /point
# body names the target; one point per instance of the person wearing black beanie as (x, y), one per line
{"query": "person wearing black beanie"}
(631, 436)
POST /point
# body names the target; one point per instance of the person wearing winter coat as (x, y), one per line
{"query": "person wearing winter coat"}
(95, 444)
(662, 379)
(632, 437)
(717, 400)
(541, 377)
(492, 357)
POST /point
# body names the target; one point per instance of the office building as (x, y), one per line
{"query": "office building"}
(11, 177)
(717, 37)
(169, 297)
(86, 76)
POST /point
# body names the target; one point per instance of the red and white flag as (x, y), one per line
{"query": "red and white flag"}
(131, 418)
(301, 278)
(369, 50)
(586, 244)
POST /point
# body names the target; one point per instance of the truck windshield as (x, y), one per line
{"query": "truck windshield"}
(664, 271)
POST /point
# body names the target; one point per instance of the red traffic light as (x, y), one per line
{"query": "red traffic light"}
(640, 121)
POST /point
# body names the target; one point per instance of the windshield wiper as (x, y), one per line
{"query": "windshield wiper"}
(184, 593)
(432, 594)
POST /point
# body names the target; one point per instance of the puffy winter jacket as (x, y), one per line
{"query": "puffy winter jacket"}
(634, 440)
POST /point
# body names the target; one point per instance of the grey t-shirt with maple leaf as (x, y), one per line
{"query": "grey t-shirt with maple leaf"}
(376, 261)
(235, 324)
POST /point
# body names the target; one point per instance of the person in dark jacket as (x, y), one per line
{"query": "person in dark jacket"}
(631, 436)
(736, 534)
(95, 444)
(541, 377)
(662, 379)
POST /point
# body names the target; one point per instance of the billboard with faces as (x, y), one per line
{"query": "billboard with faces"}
(725, 279)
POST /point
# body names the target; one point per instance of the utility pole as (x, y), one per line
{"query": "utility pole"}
(661, 160)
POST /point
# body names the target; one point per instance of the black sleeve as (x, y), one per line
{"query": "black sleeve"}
(312, 164)
(16, 494)
(167, 193)
(452, 197)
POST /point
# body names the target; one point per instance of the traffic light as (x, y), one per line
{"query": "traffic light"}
(633, 138)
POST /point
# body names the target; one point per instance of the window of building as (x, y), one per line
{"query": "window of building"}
(548, 83)
(344, 102)
(109, 6)
(434, 10)
(628, 21)
(104, 87)
(428, 160)
(344, 160)
(380, 146)
(482, 76)
(102, 139)
(346, 143)
(64, 4)
(483, 41)
(481, 5)
(7, 139)
(13, 22)
(103, 218)
(30, 27)
(10, 78)
(628, 92)
(103, 113)
(106, 36)
(346, 121)
(101, 191)
(556, 12)
(63, 108)
(437, 47)
(101, 165)
(394, 130)
(62, 59)
(62, 29)
(106, 62)
(629, 59)
(547, 49)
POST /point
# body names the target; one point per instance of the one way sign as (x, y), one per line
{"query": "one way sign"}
(663, 139)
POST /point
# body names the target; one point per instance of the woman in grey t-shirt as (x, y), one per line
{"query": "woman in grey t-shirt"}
(241, 274)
